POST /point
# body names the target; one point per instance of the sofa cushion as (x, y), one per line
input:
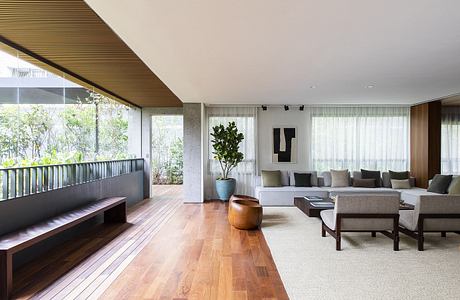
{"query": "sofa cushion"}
(271, 178)
(366, 174)
(454, 187)
(357, 175)
(328, 218)
(314, 177)
(366, 183)
(386, 181)
(358, 190)
(302, 179)
(440, 184)
(284, 195)
(412, 195)
(340, 178)
(327, 178)
(407, 219)
(400, 184)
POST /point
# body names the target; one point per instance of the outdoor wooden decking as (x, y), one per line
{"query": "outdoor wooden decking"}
(168, 250)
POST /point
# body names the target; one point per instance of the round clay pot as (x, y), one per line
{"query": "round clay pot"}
(245, 214)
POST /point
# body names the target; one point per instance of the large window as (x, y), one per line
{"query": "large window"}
(245, 119)
(450, 140)
(360, 137)
(47, 119)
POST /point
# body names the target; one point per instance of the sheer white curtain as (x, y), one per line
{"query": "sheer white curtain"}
(450, 140)
(352, 138)
(246, 122)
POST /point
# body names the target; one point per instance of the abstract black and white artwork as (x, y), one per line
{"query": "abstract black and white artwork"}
(284, 145)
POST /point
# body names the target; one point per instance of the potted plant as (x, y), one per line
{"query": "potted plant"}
(226, 141)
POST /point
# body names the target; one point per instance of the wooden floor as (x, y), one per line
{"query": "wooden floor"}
(168, 250)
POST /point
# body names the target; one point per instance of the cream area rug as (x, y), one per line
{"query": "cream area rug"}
(366, 268)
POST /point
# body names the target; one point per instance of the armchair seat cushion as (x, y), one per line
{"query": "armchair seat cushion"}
(407, 219)
(328, 218)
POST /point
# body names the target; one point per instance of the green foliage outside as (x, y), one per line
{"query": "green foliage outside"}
(167, 150)
(43, 134)
(226, 141)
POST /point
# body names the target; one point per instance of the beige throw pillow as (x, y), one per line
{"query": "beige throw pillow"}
(340, 178)
(271, 178)
(454, 188)
(400, 184)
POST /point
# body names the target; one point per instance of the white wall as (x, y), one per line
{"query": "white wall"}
(278, 117)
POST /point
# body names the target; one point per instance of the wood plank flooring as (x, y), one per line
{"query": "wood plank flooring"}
(168, 250)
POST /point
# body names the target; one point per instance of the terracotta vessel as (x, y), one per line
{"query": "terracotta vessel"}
(245, 214)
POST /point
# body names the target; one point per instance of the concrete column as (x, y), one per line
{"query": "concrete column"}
(147, 151)
(193, 152)
(134, 132)
(135, 138)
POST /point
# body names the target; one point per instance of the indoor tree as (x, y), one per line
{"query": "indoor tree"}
(226, 141)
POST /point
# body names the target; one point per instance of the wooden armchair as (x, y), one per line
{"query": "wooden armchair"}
(432, 213)
(362, 213)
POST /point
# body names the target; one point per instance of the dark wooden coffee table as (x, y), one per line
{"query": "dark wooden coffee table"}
(314, 211)
(309, 209)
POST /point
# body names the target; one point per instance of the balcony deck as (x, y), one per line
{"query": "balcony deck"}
(166, 250)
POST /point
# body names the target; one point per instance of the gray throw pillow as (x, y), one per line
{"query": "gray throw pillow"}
(366, 183)
(366, 174)
(440, 184)
(340, 178)
(271, 178)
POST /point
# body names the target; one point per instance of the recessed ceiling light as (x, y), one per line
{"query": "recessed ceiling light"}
(370, 86)
(313, 86)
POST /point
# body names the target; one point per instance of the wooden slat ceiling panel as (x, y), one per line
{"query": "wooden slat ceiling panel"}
(71, 35)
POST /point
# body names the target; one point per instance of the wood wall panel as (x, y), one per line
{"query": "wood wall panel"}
(71, 37)
(425, 141)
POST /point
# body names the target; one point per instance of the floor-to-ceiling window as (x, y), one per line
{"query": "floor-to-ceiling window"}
(450, 140)
(246, 122)
(360, 137)
(47, 119)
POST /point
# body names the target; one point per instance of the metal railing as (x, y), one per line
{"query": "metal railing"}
(23, 181)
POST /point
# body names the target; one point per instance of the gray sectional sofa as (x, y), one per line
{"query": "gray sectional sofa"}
(321, 187)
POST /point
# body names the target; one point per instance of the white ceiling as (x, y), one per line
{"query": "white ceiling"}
(272, 51)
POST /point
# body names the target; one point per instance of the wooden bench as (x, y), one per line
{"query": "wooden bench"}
(114, 210)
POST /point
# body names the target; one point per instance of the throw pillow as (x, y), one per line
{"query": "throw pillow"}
(400, 184)
(366, 174)
(302, 179)
(399, 175)
(284, 178)
(440, 184)
(340, 178)
(314, 176)
(367, 183)
(454, 187)
(271, 178)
